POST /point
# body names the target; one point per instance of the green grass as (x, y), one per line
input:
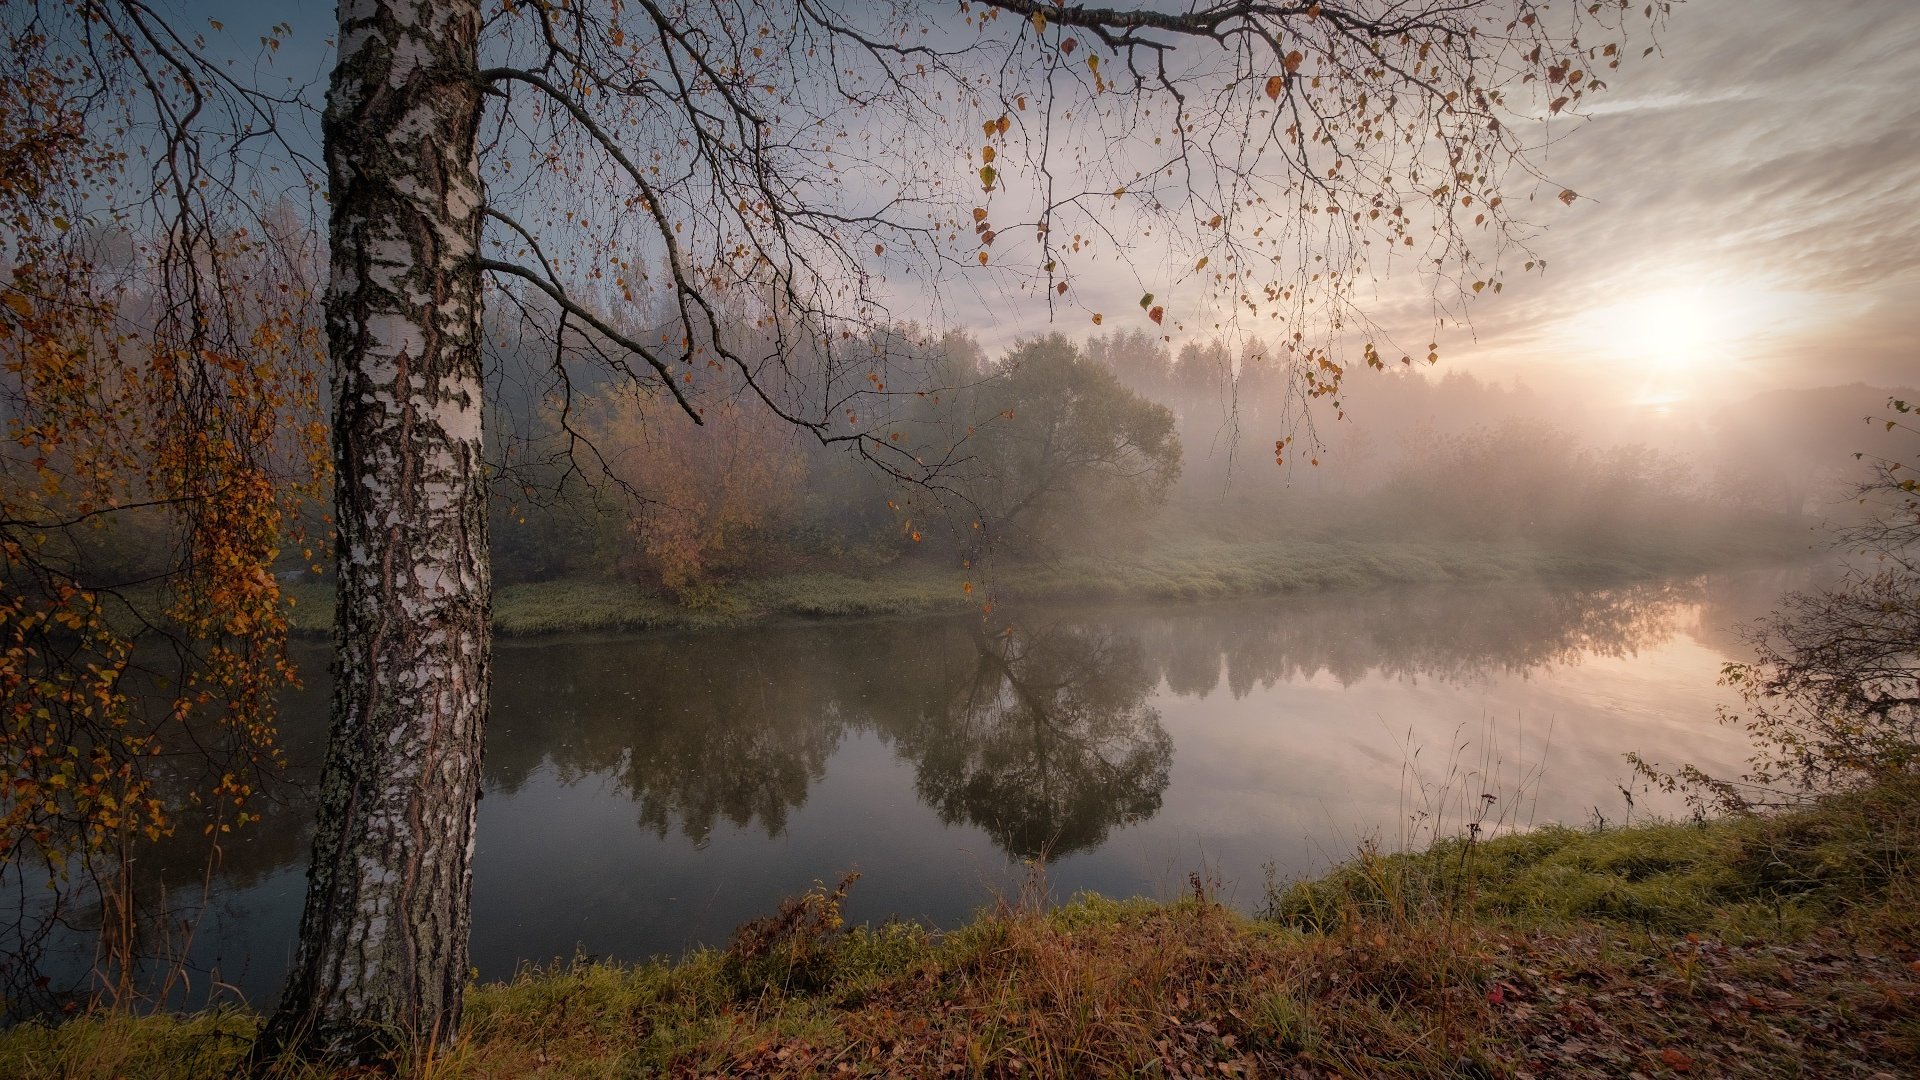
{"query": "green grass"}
(1774, 877)
(1785, 946)
(1210, 563)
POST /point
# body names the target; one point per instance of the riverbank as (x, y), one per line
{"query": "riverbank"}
(1778, 946)
(1189, 569)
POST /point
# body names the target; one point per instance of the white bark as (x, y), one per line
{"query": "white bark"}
(382, 958)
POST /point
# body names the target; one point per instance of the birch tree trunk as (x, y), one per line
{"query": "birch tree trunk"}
(382, 957)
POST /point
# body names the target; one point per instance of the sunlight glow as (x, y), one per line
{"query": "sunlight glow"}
(1670, 345)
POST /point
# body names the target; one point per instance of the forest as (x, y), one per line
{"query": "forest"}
(1115, 451)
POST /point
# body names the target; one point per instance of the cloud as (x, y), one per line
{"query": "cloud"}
(1766, 149)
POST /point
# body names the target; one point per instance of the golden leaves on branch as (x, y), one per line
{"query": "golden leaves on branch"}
(195, 439)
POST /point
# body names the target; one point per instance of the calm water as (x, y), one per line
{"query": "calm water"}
(646, 794)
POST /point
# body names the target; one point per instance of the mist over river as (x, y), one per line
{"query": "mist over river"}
(645, 794)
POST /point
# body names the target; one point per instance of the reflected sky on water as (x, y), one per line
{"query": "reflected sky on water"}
(645, 794)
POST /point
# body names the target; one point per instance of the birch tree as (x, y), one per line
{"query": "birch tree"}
(775, 180)
(383, 938)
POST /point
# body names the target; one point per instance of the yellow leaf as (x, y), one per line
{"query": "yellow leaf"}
(1039, 22)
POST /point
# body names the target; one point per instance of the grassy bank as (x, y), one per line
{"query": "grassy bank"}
(1783, 946)
(1170, 567)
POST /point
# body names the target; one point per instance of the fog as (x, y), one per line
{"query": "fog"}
(1534, 517)
(1119, 447)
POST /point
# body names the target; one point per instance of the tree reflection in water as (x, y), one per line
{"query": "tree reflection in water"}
(1050, 744)
(1046, 738)
(1449, 634)
(696, 731)
(1041, 737)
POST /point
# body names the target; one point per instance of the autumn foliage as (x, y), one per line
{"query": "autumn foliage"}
(702, 498)
(158, 382)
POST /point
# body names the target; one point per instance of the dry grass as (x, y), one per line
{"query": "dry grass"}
(1492, 960)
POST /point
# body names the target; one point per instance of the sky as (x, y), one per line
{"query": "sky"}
(1750, 218)
(1753, 214)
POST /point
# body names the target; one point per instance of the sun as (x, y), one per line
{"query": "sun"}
(1668, 345)
(1665, 333)
(1670, 340)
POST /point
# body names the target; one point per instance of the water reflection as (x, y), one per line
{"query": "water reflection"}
(1040, 735)
(694, 731)
(1050, 742)
(1037, 730)
(1453, 634)
(662, 788)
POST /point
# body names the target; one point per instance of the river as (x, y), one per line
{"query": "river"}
(645, 794)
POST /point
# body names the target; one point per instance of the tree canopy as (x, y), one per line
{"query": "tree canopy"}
(712, 202)
(1060, 447)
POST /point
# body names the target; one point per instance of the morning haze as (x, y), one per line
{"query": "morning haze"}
(803, 538)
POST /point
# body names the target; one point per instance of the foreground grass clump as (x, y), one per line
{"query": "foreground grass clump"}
(1778, 946)
(1779, 876)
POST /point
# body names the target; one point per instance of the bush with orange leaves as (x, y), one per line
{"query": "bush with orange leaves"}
(704, 499)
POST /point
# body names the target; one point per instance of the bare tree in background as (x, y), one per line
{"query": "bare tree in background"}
(1832, 696)
(786, 174)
